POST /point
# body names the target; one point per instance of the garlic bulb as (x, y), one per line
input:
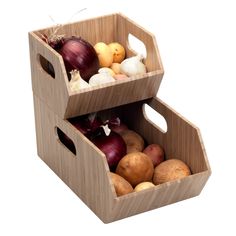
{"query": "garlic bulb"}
(76, 83)
(101, 78)
(133, 66)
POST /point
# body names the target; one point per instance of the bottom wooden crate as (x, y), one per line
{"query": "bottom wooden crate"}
(87, 172)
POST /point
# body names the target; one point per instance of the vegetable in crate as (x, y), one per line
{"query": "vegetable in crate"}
(133, 66)
(76, 83)
(86, 124)
(121, 185)
(116, 68)
(156, 153)
(135, 167)
(143, 186)
(106, 70)
(104, 54)
(116, 125)
(133, 140)
(170, 170)
(111, 144)
(120, 76)
(78, 54)
(102, 77)
(118, 52)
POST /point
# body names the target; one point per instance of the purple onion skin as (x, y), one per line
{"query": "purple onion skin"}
(84, 125)
(80, 55)
(113, 146)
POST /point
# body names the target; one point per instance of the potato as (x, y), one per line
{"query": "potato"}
(118, 52)
(155, 152)
(121, 186)
(116, 68)
(135, 167)
(170, 170)
(104, 53)
(143, 186)
(134, 142)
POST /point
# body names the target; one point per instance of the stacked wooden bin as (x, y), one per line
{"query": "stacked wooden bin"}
(86, 172)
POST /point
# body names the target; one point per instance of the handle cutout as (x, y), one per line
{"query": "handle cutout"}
(47, 66)
(65, 140)
(155, 118)
(137, 45)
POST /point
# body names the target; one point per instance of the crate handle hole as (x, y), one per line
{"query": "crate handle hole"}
(65, 140)
(155, 118)
(46, 66)
(137, 45)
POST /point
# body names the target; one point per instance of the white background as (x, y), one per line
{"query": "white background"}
(197, 42)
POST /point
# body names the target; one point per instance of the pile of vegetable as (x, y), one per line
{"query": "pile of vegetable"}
(133, 164)
(88, 65)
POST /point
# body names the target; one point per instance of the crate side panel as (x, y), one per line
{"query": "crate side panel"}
(112, 96)
(86, 173)
(53, 92)
(159, 196)
(126, 26)
(182, 140)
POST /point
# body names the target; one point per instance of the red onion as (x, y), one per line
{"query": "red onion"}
(113, 146)
(116, 125)
(86, 124)
(77, 53)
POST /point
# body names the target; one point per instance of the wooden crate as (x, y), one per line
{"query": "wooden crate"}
(55, 92)
(87, 172)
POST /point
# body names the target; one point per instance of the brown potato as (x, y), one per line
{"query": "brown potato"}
(143, 186)
(121, 186)
(135, 167)
(170, 170)
(134, 142)
(155, 152)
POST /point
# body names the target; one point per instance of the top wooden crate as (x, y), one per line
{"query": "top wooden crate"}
(55, 92)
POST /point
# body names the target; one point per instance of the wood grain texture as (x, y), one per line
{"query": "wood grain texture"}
(56, 92)
(87, 173)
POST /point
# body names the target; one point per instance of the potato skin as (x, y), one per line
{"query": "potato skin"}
(133, 140)
(156, 153)
(121, 185)
(143, 186)
(135, 167)
(170, 170)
